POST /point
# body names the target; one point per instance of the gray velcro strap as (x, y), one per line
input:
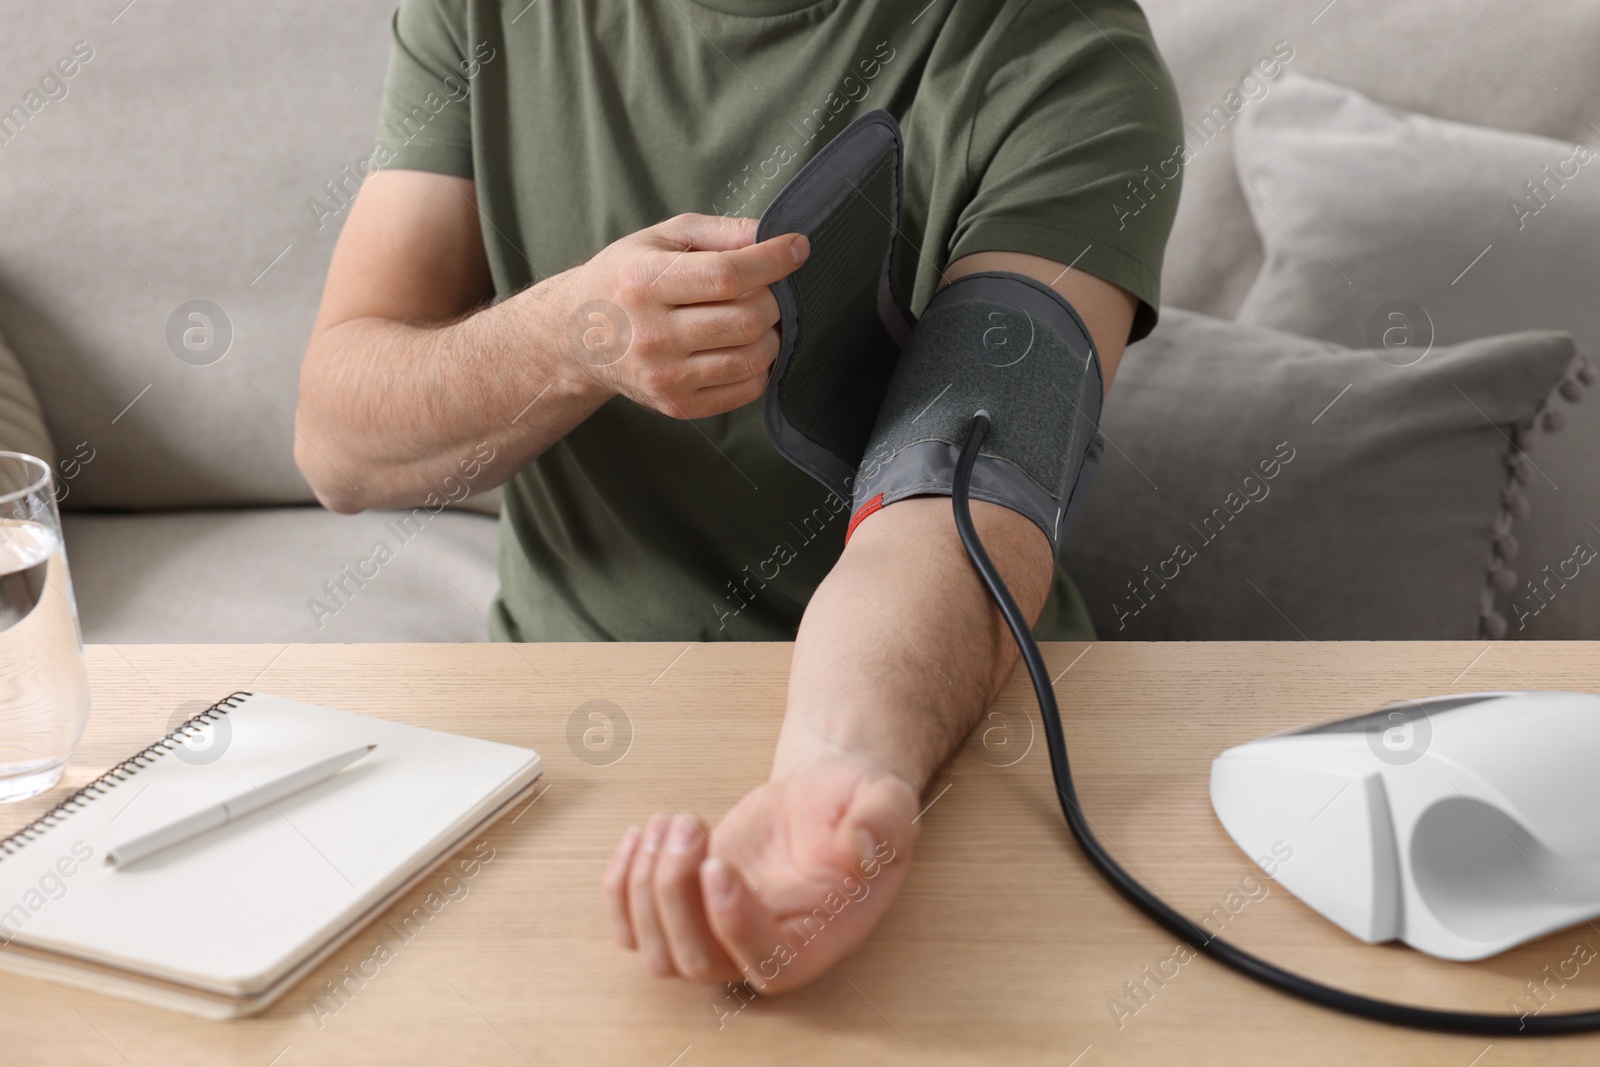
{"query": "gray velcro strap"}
(842, 318)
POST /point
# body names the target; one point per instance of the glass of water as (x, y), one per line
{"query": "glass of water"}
(44, 685)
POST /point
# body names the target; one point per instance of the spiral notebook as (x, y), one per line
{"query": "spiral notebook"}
(226, 922)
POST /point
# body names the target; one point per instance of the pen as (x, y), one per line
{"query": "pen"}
(257, 796)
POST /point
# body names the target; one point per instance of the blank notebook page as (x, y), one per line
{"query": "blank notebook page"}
(238, 906)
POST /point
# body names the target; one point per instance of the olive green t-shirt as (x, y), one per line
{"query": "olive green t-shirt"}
(1036, 126)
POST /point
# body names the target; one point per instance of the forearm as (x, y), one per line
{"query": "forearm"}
(389, 409)
(901, 648)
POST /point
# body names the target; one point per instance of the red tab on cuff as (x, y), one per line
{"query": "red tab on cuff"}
(875, 504)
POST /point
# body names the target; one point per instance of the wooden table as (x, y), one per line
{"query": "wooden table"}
(1004, 947)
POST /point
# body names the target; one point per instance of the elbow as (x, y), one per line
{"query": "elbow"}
(315, 448)
(341, 503)
(331, 487)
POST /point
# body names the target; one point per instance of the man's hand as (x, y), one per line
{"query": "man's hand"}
(699, 311)
(790, 882)
(900, 652)
(403, 379)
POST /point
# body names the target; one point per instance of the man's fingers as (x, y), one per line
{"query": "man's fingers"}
(699, 277)
(716, 399)
(724, 366)
(711, 233)
(726, 324)
(616, 889)
(680, 907)
(743, 926)
(647, 932)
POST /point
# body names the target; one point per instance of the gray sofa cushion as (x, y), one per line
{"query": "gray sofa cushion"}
(22, 427)
(1440, 231)
(254, 575)
(1258, 485)
(182, 164)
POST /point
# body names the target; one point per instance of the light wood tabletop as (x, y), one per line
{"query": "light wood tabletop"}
(1004, 947)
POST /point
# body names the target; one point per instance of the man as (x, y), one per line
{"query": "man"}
(529, 153)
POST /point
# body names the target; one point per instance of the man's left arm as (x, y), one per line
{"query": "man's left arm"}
(900, 652)
(902, 649)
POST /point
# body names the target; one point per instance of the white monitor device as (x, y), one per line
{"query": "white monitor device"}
(1461, 825)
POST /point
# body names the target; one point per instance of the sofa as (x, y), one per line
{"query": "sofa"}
(172, 204)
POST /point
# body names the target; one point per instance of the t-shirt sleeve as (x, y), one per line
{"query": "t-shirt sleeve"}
(1076, 148)
(425, 121)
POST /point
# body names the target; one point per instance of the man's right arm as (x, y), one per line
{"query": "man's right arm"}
(403, 380)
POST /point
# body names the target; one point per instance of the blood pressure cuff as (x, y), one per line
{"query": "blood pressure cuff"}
(876, 404)
(1012, 347)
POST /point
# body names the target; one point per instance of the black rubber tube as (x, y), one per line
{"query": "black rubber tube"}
(1251, 966)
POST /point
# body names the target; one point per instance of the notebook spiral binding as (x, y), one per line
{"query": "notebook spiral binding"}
(118, 774)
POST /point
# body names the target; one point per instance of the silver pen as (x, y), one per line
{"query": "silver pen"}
(257, 796)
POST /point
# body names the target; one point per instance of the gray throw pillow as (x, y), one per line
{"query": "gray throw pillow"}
(1386, 228)
(1258, 485)
(1362, 206)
